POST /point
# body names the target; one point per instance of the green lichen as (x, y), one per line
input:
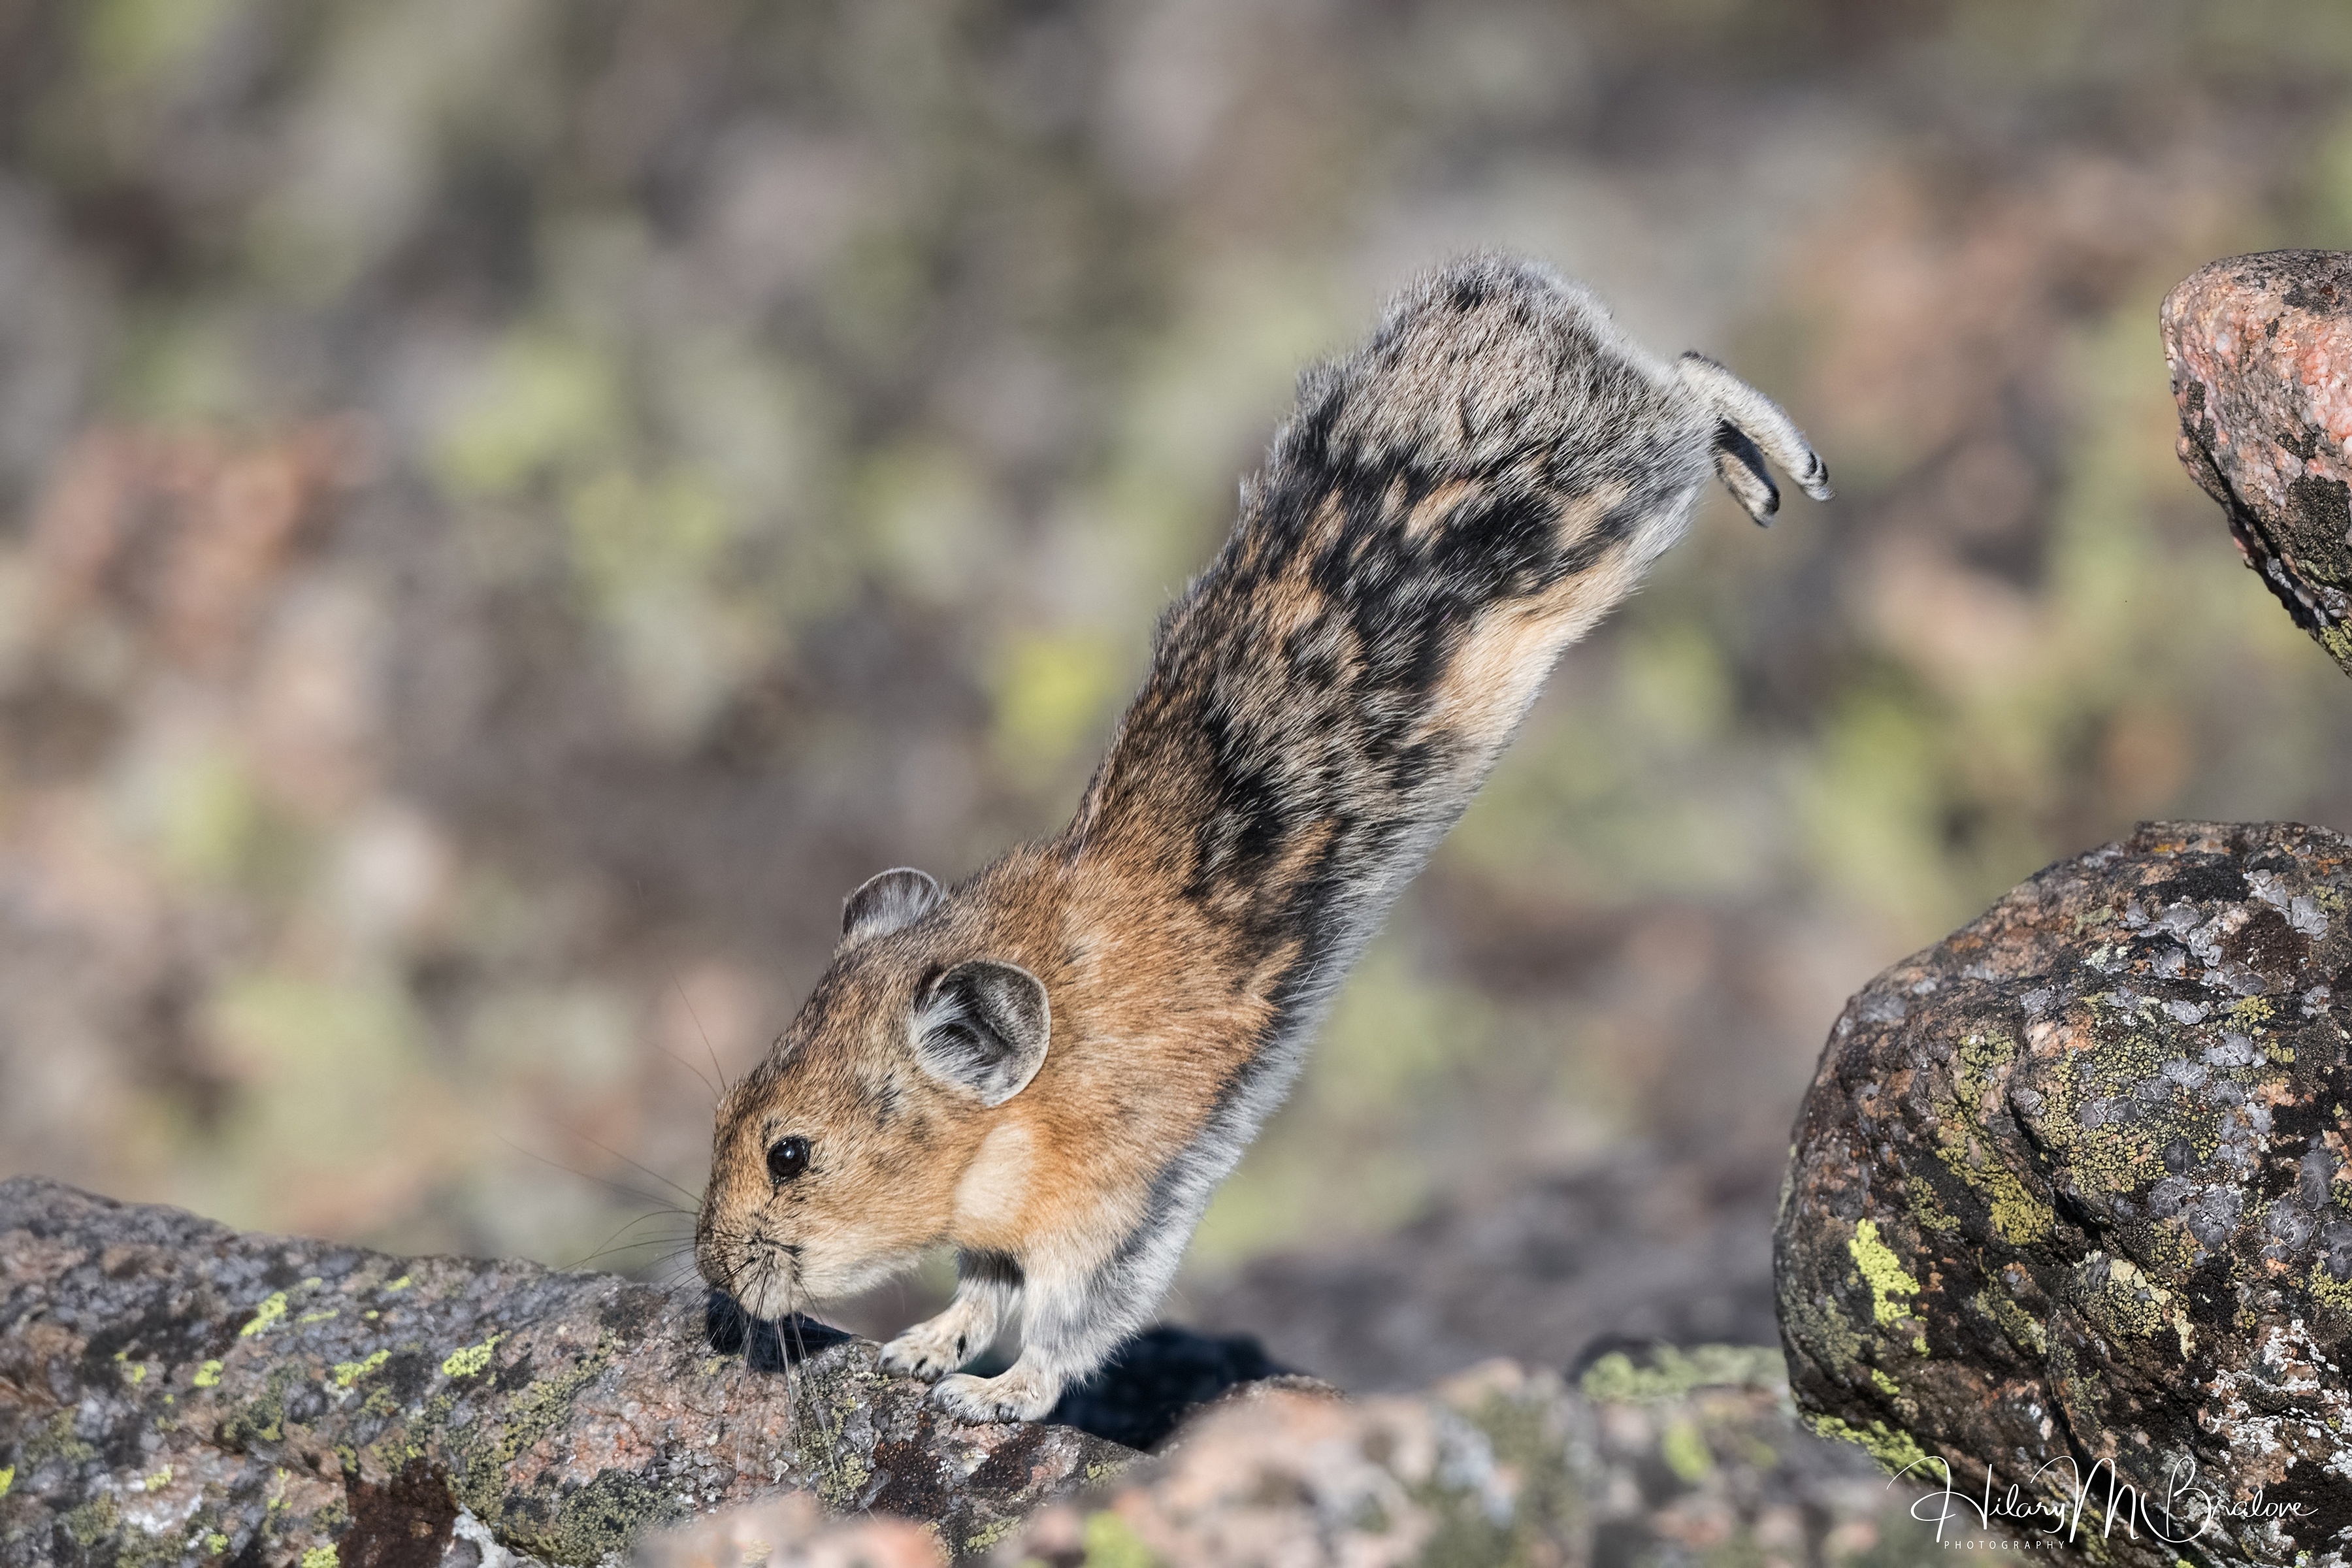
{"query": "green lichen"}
(988, 1535)
(348, 1373)
(158, 1481)
(1673, 1374)
(1683, 1448)
(208, 1376)
(2325, 1287)
(1886, 1385)
(1884, 1272)
(471, 1360)
(93, 1522)
(1924, 1208)
(1111, 1543)
(1895, 1451)
(57, 1440)
(598, 1523)
(322, 1557)
(216, 1543)
(1985, 1056)
(544, 1401)
(2019, 1327)
(268, 1312)
(7, 1478)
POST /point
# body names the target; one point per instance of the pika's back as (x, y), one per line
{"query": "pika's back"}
(1449, 506)
(1486, 365)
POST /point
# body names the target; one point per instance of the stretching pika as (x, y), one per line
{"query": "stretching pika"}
(1051, 1066)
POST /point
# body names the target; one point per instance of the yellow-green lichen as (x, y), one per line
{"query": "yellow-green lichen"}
(348, 1373)
(92, 1522)
(1111, 1543)
(1984, 1057)
(316, 1317)
(988, 1535)
(1895, 1451)
(268, 1312)
(207, 1375)
(2329, 1290)
(1884, 1272)
(158, 1481)
(1673, 1374)
(400, 1283)
(1886, 1385)
(471, 1360)
(2019, 1327)
(1924, 1209)
(2019, 1218)
(216, 1543)
(7, 1478)
(55, 1440)
(322, 1557)
(1683, 1448)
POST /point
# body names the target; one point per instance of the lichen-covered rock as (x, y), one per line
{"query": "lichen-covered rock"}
(173, 1392)
(2261, 352)
(1671, 1458)
(2072, 1186)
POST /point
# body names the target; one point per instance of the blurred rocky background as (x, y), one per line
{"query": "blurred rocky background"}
(509, 509)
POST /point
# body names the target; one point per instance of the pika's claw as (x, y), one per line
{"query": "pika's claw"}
(1019, 1394)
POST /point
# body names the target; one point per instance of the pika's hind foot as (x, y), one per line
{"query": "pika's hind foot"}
(1022, 1393)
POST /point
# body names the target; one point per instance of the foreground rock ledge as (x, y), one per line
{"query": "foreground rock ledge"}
(2072, 1186)
(173, 1392)
(2261, 352)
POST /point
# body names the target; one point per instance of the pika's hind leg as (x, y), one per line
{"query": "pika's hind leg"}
(1749, 428)
(988, 1288)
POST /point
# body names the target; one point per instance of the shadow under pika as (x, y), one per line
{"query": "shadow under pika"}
(1137, 1398)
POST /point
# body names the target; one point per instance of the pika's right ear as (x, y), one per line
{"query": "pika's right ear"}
(883, 903)
(983, 1026)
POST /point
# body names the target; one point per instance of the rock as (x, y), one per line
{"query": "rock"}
(792, 1531)
(173, 1392)
(1663, 1458)
(2261, 352)
(2072, 1187)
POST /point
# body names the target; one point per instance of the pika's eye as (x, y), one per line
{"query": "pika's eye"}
(787, 1158)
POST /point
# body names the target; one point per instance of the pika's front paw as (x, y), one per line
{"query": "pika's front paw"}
(1019, 1394)
(929, 1351)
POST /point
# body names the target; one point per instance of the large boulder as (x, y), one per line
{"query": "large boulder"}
(2261, 352)
(2070, 1188)
(174, 1391)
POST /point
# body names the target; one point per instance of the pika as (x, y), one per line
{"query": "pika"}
(1051, 1066)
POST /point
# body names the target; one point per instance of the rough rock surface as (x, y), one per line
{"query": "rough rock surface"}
(173, 1392)
(2072, 1186)
(1672, 1459)
(2261, 352)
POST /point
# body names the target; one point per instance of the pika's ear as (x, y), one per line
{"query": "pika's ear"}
(883, 903)
(982, 1027)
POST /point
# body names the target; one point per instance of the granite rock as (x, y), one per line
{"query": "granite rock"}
(2070, 1204)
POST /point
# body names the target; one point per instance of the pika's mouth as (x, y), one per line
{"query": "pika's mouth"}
(765, 1275)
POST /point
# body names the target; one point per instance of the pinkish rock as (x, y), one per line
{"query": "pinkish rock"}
(2261, 352)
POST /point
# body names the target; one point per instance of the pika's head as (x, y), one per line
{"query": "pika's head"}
(835, 1160)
